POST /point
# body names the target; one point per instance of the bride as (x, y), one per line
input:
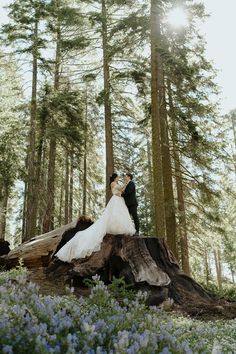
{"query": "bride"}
(115, 220)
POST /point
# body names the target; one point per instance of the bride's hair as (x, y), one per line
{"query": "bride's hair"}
(113, 177)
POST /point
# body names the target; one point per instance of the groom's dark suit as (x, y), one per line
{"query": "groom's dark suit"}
(129, 196)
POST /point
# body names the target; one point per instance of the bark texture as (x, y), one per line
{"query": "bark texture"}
(182, 229)
(159, 213)
(4, 195)
(107, 102)
(48, 222)
(169, 202)
(32, 178)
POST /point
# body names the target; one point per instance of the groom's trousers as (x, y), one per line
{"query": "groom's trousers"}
(134, 214)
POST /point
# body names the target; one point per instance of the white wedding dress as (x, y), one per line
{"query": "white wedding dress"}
(114, 220)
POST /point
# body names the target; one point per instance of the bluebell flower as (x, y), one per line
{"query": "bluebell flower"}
(7, 349)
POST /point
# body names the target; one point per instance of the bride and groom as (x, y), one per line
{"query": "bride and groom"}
(115, 219)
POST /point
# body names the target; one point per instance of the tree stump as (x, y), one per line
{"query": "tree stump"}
(145, 263)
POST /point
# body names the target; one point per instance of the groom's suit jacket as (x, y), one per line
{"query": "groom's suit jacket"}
(129, 194)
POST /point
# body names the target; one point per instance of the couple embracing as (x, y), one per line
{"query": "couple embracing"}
(115, 220)
(128, 192)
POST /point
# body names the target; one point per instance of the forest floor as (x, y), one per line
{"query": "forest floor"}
(55, 287)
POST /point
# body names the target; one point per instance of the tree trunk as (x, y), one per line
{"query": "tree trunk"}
(217, 258)
(42, 185)
(180, 191)
(61, 202)
(32, 178)
(156, 125)
(182, 217)
(85, 157)
(48, 223)
(23, 230)
(207, 271)
(170, 218)
(150, 172)
(24, 210)
(3, 211)
(66, 186)
(40, 172)
(71, 185)
(107, 104)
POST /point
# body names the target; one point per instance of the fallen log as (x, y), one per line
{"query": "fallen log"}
(38, 251)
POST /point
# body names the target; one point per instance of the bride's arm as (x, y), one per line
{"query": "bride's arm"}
(123, 188)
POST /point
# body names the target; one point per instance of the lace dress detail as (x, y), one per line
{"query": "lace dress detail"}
(114, 220)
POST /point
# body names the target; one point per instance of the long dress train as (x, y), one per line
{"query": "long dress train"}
(115, 220)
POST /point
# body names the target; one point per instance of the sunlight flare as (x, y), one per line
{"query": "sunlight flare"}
(177, 17)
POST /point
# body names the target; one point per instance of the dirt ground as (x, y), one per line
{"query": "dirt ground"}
(54, 287)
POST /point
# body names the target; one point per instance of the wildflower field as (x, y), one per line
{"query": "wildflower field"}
(99, 323)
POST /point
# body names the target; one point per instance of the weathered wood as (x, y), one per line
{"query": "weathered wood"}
(38, 251)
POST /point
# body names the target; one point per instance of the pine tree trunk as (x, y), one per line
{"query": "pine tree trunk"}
(217, 258)
(182, 218)
(170, 218)
(207, 272)
(40, 174)
(156, 125)
(61, 202)
(42, 186)
(48, 223)
(85, 158)
(32, 190)
(3, 211)
(107, 104)
(180, 191)
(23, 230)
(66, 186)
(146, 211)
(71, 185)
(150, 172)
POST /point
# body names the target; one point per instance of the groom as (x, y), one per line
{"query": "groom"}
(129, 196)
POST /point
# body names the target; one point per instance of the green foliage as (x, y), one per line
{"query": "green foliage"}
(15, 274)
(228, 292)
(24, 16)
(12, 134)
(118, 288)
